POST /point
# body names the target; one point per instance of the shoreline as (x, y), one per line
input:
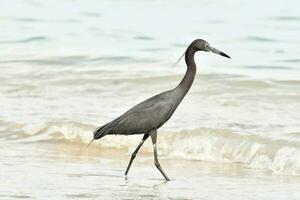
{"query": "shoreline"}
(71, 171)
(38, 169)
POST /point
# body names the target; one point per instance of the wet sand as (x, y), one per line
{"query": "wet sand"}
(61, 170)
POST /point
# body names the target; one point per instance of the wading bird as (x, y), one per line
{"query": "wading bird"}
(148, 116)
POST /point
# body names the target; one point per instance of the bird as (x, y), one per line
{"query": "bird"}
(148, 116)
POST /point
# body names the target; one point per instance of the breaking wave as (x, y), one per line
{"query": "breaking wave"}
(281, 156)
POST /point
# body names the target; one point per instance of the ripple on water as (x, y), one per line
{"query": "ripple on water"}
(21, 196)
(92, 14)
(268, 67)
(80, 195)
(294, 60)
(286, 18)
(259, 39)
(26, 40)
(79, 60)
(38, 20)
(143, 38)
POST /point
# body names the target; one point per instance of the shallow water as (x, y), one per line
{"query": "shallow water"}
(70, 66)
(70, 171)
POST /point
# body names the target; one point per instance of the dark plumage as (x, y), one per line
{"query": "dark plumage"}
(149, 115)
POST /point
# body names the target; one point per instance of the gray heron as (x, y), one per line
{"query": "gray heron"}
(148, 116)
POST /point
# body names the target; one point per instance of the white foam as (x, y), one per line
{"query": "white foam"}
(220, 145)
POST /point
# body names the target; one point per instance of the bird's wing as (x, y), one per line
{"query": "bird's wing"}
(150, 114)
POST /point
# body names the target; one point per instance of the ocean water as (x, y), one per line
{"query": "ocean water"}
(68, 67)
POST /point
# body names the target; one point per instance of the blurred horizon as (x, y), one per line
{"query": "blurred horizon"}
(78, 33)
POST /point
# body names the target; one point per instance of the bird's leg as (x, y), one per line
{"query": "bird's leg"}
(153, 135)
(135, 152)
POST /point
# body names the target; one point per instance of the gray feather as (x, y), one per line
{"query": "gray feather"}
(145, 116)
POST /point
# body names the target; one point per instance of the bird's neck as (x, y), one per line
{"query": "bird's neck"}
(189, 76)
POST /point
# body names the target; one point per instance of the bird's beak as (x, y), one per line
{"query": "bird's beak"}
(214, 50)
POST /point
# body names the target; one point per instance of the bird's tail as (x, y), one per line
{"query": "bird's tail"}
(100, 132)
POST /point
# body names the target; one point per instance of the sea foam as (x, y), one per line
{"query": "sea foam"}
(281, 156)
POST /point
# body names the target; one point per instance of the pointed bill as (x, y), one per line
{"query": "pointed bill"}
(214, 50)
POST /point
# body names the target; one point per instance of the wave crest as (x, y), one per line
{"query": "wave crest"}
(215, 145)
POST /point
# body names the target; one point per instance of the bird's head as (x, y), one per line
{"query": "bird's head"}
(202, 45)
